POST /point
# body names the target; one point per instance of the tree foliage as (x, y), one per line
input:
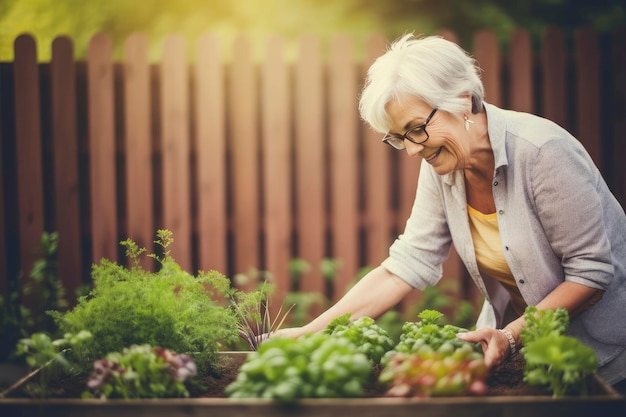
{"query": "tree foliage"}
(504, 16)
(79, 19)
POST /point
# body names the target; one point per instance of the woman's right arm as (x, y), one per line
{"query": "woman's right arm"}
(376, 293)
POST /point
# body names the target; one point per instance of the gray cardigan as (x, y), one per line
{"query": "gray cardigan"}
(558, 222)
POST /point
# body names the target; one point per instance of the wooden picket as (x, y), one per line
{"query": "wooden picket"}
(65, 150)
(175, 149)
(554, 80)
(587, 63)
(138, 182)
(28, 151)
(342, 138)
(276, 174)
(521, 73)
(244, 151)
(210, 122)
(102, 170)
(376, 186)
(310, 173)
(251, 164)
(487, 52)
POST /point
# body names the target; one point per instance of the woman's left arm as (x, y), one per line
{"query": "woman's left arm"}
(574, 297)
(578, 237)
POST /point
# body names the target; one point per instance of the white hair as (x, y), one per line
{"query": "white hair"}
(437, 71)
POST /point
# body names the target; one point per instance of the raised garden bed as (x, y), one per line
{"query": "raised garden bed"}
(507, 396)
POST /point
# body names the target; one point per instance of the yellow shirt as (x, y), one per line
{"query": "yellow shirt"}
(489, 254)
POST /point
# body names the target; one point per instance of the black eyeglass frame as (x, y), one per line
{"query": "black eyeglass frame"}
(405, 136)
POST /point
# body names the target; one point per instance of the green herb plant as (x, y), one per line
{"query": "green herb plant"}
(430, 360)
(540, 323)
(169, 308)
(314, 366)
(47, 358)
(555, 360)
(141, 371)
(370, 338)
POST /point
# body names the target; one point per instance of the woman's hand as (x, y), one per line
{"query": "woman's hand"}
(289, 332)
(495, 344)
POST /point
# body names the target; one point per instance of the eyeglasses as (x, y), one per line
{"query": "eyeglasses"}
(416, 134)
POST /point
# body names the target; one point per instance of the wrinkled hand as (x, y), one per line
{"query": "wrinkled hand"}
(495, 344)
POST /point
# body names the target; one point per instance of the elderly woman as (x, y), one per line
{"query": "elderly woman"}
(527, 210)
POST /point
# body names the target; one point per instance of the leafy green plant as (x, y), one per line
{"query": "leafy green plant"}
(560, 362)
(364, 333)
(12, 315)
(427, 332)
(555, 360)
(314, 366)
(445, 298)
(430, 360)
(540, 323)
(392, 321)
(141, 371)
(169, 308)
(47, 357)
(44, 275)
(23, 311)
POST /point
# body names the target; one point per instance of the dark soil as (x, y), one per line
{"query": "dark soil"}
(508, 379)
(504, 380)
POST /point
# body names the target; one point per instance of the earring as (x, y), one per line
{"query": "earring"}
(467, 122)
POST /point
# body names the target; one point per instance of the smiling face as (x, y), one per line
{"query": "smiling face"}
(447, 148)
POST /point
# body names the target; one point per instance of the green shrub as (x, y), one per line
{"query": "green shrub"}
(170, 308)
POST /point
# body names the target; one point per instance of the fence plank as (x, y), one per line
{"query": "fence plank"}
(244, 148)
(211, 155)
(487, 53)
(310, 169)
(587, 59)
(521, 86)
(377, 179)
(138, 145)
(28, 151)
(65, 154)
(554, 94)
(103, 197)
(276, 149)
(343, 148)
(175, 146)
(617, 109)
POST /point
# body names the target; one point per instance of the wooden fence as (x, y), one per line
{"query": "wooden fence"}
(251, 164)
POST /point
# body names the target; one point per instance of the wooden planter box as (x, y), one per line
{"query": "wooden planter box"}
(603, 400)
